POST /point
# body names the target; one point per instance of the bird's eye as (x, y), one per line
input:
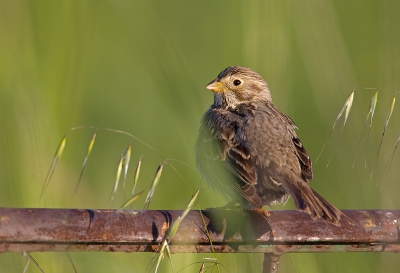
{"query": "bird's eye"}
(237, 82)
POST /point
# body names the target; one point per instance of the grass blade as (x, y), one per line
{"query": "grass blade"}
(131, 200)
(34, 261)
(125, 163)
(389, 114)
(370, 125)
(172, 231)
(201, 268)
(72, 263)
(153, 187)
(168, 252)
(190, 205)
(28, 262)
(160, 254)
(345, 109)
(173, 228)
(370, 115)
(127, 159)
(119, 170)
(89, 150)
(137, 171)
(389, 163)
(53, 165)
(348, 105)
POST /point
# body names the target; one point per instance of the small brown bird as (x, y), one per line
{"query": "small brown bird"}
(248, 150)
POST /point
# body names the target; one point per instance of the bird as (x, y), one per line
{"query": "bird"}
(249, 151)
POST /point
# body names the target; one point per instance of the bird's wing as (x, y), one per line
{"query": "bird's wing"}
(223, 162)
(304, 159)
(301, 153)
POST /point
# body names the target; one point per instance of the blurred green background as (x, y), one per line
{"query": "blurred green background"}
(141, 67)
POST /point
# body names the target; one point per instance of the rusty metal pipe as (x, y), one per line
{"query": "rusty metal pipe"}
(53, 230)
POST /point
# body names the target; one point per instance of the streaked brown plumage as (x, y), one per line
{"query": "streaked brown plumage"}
(248, 150)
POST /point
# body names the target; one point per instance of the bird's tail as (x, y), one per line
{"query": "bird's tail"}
(308, 200)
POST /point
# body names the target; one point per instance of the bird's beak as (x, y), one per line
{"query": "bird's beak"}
(215, 86)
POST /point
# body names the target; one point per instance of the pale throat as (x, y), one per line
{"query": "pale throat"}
(227, 100)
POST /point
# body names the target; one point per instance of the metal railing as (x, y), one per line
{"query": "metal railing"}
(230, 231)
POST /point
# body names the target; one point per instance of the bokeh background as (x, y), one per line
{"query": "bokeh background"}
(141, 67)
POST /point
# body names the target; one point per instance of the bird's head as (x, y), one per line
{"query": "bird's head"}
(236, 85)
